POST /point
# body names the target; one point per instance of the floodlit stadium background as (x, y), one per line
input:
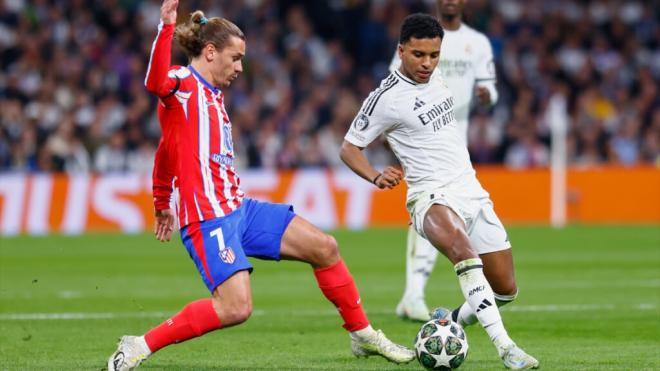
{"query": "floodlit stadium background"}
(78, 131)
(77, 140)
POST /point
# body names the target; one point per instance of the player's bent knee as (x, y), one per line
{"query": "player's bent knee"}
(327, 252)
(234, 309)
(239, 312)
(243, 313)
(504, 299)
(331, 245)
(507, 291)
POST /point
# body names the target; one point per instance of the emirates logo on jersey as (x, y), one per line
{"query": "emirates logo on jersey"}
(438, 115)
(454, 68)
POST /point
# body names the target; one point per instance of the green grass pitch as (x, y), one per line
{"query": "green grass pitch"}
(589, 300)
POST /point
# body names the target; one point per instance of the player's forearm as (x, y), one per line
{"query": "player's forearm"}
(159, 62)
(162, 176)
(357, 161)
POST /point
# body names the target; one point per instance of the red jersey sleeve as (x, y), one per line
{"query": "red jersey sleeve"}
(165, 163)
(157, 81)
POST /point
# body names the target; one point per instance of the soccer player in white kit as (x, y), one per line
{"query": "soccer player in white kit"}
(414, 109)
(466, 65)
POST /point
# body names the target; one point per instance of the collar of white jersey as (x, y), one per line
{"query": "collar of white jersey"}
(405, 79)
(461, 27)
(203, 80)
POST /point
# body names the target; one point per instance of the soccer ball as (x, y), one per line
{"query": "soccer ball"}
(441, 344)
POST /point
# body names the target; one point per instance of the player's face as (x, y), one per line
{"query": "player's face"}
(227, 64)
(419, 57)
(451, 7)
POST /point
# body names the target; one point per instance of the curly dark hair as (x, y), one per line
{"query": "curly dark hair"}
(420, 26)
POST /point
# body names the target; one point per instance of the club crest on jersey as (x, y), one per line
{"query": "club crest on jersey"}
(226, 138)
(361, 122)
(227, 255)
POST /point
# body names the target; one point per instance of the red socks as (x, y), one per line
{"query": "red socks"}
(338, 286)
(196, 319)
(199, 317)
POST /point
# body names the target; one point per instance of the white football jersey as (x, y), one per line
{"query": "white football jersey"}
(466, 60)
(419, 123)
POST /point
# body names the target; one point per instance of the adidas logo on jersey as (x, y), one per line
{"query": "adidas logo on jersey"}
(418, 103)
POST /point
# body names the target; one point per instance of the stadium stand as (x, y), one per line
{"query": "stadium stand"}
(72, 97)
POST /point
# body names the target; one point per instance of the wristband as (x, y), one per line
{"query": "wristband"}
(376, 178)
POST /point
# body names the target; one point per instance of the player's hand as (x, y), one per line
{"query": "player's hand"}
(483, 95)
(168, 11)
(389, 178)
(164, 225)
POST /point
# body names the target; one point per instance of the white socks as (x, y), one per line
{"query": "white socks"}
(479, 296)
(143, 345)
(465, 316)
(420, 260)
(365, 333)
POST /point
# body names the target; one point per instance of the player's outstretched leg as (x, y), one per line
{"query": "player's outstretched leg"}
(304, 242)
(234, 306)
(420, 260)
(196, 319)
(447, 232)
(338, 286)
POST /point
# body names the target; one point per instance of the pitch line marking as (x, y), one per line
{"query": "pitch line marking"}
(260, 312)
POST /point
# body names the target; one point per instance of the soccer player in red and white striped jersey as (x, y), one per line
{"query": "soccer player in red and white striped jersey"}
(220, 227)
(208, 183)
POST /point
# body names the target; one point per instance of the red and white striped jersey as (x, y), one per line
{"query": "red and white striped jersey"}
(196, 146)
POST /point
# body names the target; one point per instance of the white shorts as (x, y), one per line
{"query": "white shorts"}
(484, 228)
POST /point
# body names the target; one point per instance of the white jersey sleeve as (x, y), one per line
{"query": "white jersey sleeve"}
(376, 117)
(485, 67)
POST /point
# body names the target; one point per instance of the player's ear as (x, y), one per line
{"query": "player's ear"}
(209, 52)
(400, 49)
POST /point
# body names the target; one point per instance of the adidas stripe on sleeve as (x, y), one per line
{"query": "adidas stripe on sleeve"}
(376, 116)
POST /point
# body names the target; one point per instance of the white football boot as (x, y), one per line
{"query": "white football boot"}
(414, 310)
(131, 352)
(515, 358)
(368, 342)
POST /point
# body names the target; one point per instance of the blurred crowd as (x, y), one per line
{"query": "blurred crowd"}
(72, 96)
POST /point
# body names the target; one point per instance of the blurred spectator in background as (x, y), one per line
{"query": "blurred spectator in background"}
(72, 96)
(112, 157)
